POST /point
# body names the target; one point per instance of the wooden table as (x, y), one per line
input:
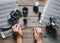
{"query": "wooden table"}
(28, 32)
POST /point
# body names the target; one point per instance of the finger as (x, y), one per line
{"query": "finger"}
(19, 26)
(39, 30)
(35, 31)
(14, 26)
(20, 31)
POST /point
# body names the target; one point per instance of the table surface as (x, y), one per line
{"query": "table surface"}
(28, 32)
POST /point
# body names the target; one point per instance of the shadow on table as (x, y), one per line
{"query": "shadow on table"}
(52, 34)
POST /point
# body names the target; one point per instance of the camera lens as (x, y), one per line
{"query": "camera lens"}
(15, 15)
(25, 11)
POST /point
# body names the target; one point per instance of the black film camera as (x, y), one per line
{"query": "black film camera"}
(14, 17)
(51, 28)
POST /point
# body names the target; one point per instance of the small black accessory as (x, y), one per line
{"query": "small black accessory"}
(35, 9)
(25, 22)
(39, 16)
(25, 11)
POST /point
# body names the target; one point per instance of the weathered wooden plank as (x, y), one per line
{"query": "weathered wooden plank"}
(30, 2)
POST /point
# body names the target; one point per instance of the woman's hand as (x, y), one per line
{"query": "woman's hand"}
(38, 34)
(17, 30)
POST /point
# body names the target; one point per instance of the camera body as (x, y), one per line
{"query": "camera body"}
(51, 27)
(14, 17)
(52, 23)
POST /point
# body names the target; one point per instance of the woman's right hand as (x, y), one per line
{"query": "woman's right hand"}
(37, 33)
